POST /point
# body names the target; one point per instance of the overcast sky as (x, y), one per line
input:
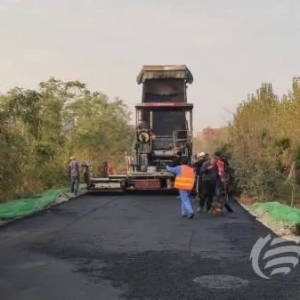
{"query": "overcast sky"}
(230, 46)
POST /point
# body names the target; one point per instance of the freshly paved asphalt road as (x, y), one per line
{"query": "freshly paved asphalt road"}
(134, 247)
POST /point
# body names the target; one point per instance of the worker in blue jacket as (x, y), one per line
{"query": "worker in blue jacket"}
(184, 182)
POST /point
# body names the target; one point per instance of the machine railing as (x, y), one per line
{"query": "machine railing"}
(162, 143)
(180, 136)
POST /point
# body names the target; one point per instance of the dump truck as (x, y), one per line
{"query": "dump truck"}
(164, 126)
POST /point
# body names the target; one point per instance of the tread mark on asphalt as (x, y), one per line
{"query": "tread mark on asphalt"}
(191, 240)
(89, 213)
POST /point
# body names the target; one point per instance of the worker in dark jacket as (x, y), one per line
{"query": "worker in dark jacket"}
(184, 182)
(74, 174)
(210, 179)
(201, 159)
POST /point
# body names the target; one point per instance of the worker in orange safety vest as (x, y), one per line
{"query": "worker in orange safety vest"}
(184, 182)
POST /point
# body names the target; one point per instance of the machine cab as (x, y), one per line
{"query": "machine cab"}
(164, 118)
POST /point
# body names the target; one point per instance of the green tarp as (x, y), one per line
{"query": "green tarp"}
(278, 212)
(24, 207)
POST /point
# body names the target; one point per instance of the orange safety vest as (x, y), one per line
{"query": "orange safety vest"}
(186, 180)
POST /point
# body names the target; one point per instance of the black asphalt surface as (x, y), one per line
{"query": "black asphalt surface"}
(134, 247)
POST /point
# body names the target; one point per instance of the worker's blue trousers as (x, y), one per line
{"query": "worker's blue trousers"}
(74, 185)
(186, 207)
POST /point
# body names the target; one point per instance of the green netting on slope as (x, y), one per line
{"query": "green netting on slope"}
(24, 207)
(279, 212)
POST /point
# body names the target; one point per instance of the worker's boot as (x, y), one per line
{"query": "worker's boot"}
(228, 207)
(200, 209)
(209, 208)
(190, 216)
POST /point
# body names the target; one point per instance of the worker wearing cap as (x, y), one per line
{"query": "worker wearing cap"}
(201, 159)
(176, 162)
(184, 182)
(177, 159)
(74, 174)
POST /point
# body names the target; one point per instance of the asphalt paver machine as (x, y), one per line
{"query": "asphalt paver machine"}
(164, 126)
